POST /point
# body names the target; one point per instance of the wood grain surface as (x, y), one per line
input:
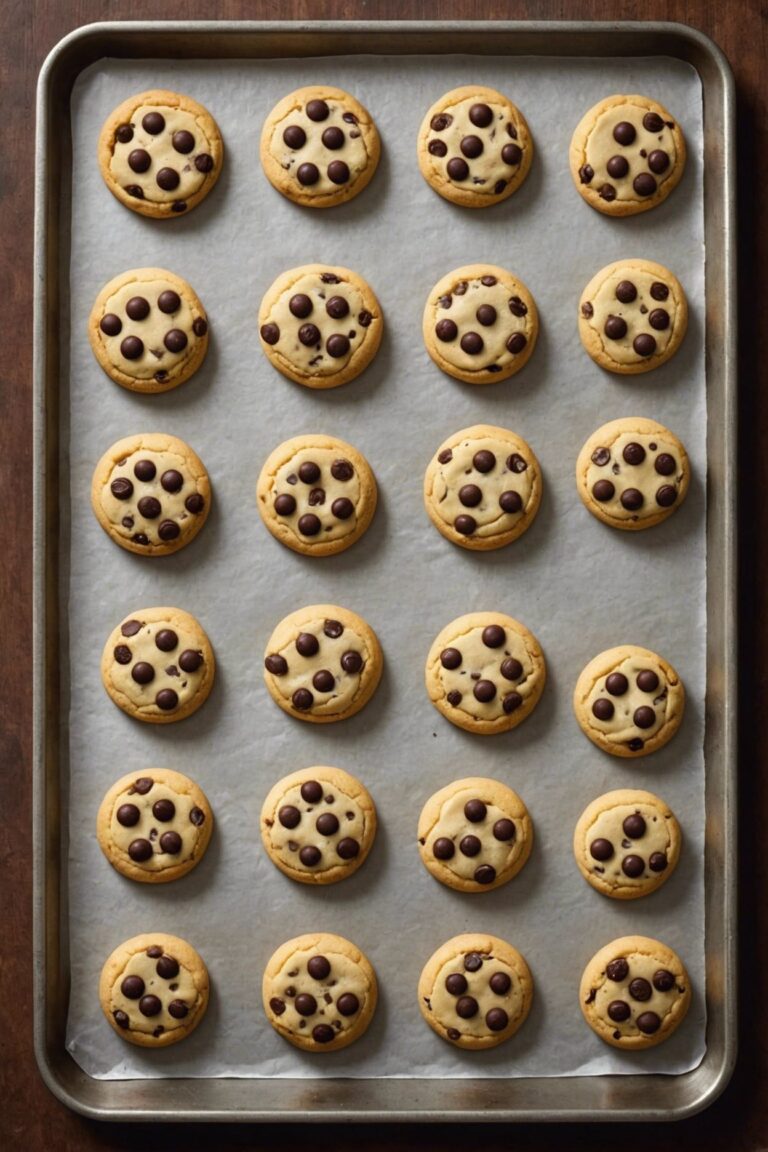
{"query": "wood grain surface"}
(30, 1118)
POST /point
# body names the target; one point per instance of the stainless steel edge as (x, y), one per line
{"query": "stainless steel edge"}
(610, 1098)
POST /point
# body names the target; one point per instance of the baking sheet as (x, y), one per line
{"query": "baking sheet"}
(578, 585)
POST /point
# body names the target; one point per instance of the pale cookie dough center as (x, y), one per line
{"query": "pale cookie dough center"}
(163, 155)
(317, 497)
(294, 980)
(303, 669)
(353, 151)
(288, 842)
(143, 649)
(659, 485)
(639, 315)
(461, 305)
(609, 825)
(488, 169)
(643, 967)
(152, 331)
(480, 662)
(454, 825)
(180, 987)
(315, 358)
(621, 727)
(601, 146)
(443, 1003)
(148, 827)
(126, 516)
(511, 473)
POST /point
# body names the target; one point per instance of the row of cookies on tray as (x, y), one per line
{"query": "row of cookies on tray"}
(318, 826)
(320, 991)
(485, 672)
(321, 325)
(317, 494)
(161, 152)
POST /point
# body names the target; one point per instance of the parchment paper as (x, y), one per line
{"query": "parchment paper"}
(580, 586)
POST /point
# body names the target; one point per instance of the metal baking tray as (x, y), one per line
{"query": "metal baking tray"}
(603, 1098)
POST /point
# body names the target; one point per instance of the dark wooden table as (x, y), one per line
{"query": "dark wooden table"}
(30, 1118)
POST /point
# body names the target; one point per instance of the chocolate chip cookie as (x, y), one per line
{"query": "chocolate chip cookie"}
(480, 324)
(160, 153)
(635, 993)
(485, 672)
(475, 991)
(627, 154)
(154, 826)
(154, 990)
(627, 843)
(158, 665)
(633, 316)
(629, 701)
(318, 825)
(482, 488)
(319, 992)
(320, 326)
(148, 330)
(316, 494)
(475, 834)
(474, 147)
(151, 494)
(322, 664)
(319, 147)
(632, 473)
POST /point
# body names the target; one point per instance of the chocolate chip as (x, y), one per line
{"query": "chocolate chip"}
(175, 340)
(586, 173)
(140, 538)
(473, 962)
(316, 497)
(456, 983)
(601, 849)
(149, 507)
(352, 662)
(658, 862)
(446, 330)
(327, 824)
(470, 495)
(635, 826)
(137, 308)
(634, 453)
(342, 508)
(644, 184)
(617, 684)
(633, 866)
(450, 658)
(167, 700)
(659, 319)
(127, 815)
(121, 488)
(310, 856)
(471, 146)
(454, 698)
(658, 161)
(123, 654)
(329, 278)
(663, 980)
(640, 989)
(135, 191)
(453, 1034)
(364, 318)
(318, 966)
(348, 848)
(624, 133)
(190, 660)
(484, 874)
(484, 461)
(437, 148)
(619, 1011)
(289, 816)
(337, 307)
(164, 810)
(294, 137)
(270, 333)
(307, 644)
(516, 342)
(132, 987)
(302, 699)
(324, 681)
(322, 1034)
(652, 122)
(317, 110)
(443, 848)
(617, 167)
(308, 174)
(602, 709)
(470, 846)
(510, 502)
(632, 499)
(484, 691)
(607, 192)
(179, 206)
(445, 456)
(194, 503)
(139, 160)
(480, 115)
(603, 490)
(511, 702)
(496, 1019)
(644, 717)
(504, 830)
(142, 672)
(333, 138)
(648, 1023)
(139, 850)
(305, 1004)
(110, 324)
(659, 291)
(472, 343)
(132, 347)
(171, 843)
(197, 817)
(665, 464)
(168, 179)
(338, 172)
(647, 681)
(466, 1007)
(615, 328)
(512, 154)
(275, 664)
(475, 811)
(457, 168)
(178, 1009)
(285, 505)
(348, 1004)
(617, 969)
(309, 524)
(124, 134)
(493, 636)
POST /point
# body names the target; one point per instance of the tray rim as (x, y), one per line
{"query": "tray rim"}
(46, 904)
